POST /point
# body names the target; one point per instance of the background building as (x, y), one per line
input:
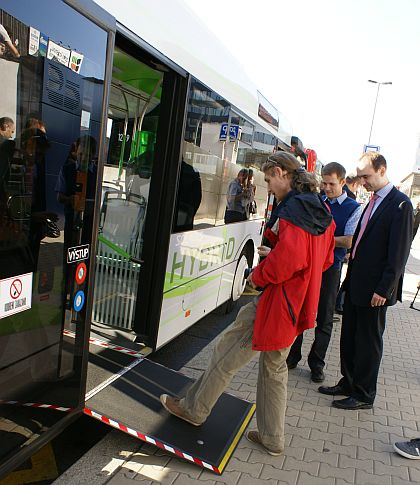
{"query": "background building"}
(410, 184)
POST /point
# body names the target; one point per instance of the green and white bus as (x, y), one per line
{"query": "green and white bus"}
(131, 120)
(176, 260)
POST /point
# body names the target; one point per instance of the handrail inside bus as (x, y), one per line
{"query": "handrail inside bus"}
(119, 250)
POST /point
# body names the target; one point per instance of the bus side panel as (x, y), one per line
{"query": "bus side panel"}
(226, 283)
(244, 232)
(199, 275)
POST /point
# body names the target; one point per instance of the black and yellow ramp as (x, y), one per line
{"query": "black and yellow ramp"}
(129, 401)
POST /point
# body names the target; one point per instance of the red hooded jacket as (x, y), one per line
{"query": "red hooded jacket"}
(291, 273)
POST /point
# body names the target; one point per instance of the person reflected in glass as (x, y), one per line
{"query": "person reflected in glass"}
(26, 221)
(7, 129)
(7, 147)
(76, 184)
(235, 210)
(35, 144)
(35, 123)
(249, 199)
(6, 44)
(189, 197)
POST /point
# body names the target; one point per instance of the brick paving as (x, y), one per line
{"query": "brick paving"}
(324, 445)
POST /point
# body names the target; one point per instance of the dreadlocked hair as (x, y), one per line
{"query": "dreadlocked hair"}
(301, 180)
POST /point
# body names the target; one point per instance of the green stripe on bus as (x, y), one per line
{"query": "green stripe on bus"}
(181, 313)
(181, 290)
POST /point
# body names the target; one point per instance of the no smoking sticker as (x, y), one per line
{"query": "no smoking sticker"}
(81, 272)
(16, 289)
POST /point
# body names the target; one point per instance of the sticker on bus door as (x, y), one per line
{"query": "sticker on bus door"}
(77, 253)
(15, 294)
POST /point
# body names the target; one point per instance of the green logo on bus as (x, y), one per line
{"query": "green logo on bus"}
(205, 258)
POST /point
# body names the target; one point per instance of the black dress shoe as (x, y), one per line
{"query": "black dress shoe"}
(291, 365)
(351, 403)
(317, 375)
(337, 390)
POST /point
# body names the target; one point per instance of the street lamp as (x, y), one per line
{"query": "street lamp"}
(376, 100)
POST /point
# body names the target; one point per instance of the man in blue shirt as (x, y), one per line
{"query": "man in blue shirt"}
(346, 213)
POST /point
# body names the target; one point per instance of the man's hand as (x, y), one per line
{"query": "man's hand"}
(263, 250)
(250, 282)
(377, 300)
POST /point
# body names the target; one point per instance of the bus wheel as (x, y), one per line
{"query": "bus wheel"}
(239, 282)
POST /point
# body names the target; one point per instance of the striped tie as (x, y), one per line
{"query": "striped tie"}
(365, 221)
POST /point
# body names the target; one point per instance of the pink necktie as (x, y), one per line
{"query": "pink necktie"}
(365, 221)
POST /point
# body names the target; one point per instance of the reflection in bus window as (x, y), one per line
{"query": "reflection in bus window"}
(236, 198)
(219, 143)
(189, 197)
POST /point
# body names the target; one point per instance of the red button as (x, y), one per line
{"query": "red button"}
(81, 272)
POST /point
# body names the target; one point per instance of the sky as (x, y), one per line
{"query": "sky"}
(313, 59)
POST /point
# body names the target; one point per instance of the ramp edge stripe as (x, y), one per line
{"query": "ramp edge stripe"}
(149, 439)
(102, 343)
(132, 432)
(37, 405)
(236, 439)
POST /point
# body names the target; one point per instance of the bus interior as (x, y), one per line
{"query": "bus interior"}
(133, 117)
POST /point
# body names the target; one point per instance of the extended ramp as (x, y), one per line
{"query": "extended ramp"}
(123, 392)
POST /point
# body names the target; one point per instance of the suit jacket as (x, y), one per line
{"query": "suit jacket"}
(382, 253)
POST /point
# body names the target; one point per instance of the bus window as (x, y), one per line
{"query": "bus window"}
(203, 152)
(219, 142)
(253, 148)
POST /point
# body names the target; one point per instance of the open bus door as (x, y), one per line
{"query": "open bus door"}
(52, 367)
(147, 99)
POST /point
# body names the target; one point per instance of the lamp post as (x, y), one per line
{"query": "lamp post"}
(376, 100)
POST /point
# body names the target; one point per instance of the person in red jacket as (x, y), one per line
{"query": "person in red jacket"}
(302, 240)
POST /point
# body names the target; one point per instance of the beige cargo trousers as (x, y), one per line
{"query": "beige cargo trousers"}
(232, 351)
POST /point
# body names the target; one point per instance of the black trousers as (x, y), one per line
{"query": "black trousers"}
(339, 301)
(324, 323)
(361, 346)
(234, 216)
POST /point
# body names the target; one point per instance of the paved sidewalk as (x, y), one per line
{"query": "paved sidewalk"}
(324, 445)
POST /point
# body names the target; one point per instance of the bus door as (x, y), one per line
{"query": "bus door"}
(139, 178)
(133, 118)
(144, 132)
(51, 101)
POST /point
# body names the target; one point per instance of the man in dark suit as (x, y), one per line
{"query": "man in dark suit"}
(380, 249)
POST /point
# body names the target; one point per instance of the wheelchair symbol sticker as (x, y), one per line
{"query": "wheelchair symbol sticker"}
(79, 301)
